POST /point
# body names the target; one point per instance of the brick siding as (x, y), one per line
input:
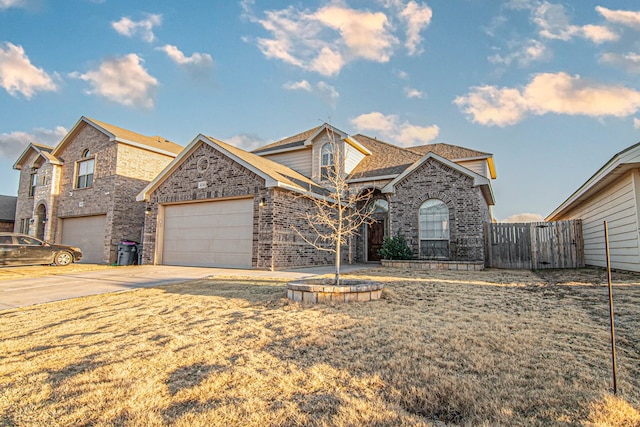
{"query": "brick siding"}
(120, 173)
(468, 210)
(275, 244)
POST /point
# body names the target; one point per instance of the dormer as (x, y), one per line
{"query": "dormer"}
(331, 145)
(314, 151)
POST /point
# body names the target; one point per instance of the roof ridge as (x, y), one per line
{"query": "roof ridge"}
(151, 141)
(288, 140)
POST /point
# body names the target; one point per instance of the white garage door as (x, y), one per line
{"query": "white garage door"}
(87, 233)
(209, 234)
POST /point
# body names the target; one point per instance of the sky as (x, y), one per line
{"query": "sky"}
(550, 88)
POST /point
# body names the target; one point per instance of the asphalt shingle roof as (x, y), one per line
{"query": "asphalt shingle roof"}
(275, 170)
(448, 151)
(8, 208)
(385, 158)
(292, 141)
(155, 141)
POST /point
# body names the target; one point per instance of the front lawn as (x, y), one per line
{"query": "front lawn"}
(440, 348)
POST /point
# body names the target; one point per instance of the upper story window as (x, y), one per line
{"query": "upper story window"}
(33, 183)
(84, 170)
(434, 229)
(327, 161)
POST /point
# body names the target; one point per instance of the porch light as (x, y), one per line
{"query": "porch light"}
(147, 211)
(262, 202)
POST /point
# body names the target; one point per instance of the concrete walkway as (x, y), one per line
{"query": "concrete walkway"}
(38, 290)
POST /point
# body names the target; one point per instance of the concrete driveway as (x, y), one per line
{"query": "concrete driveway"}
(38, 290)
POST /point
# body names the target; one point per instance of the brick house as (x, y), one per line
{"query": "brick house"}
(218, 205)
(82, 192)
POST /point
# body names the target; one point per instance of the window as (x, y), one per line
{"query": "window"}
(84, 173)
(434, 229)
(327, 161)
(24, 225)
(25, 240)
(34, 182)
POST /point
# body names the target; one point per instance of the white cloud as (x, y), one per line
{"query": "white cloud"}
(179, 58)
(322, 89)
(327, 39)
(390, 127)
(629, 62)
(489, 105)
(19, 75)
(301, 85)
(402, 74)
(558, 93)
(624, 17)
(524, 217)
(199, 65)
(636, 123)
(144, 28)
(123, 80)
(417, 18)
(410, 92)
(246, 141)
(6, 4)
(329, 93)
(598, 34)
(13, 144)
(365, 34)
(553, 23)
(522, 53)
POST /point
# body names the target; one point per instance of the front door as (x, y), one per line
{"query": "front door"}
(375, 236)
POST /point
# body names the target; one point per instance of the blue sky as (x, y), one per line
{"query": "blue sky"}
(551, 88)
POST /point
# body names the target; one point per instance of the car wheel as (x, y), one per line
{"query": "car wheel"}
(63, 258)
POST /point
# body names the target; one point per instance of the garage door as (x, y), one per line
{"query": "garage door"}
(87, 233)
(209, 234)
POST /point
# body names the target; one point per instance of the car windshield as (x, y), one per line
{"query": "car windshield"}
(25, 240)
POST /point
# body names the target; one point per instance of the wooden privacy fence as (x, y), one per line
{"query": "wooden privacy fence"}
(535, 245)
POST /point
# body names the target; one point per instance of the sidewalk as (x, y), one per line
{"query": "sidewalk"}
(24, 292)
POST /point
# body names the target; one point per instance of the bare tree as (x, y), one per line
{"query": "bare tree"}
(340, 212)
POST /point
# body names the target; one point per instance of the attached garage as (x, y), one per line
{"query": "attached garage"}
(209, 234)
(87, 233)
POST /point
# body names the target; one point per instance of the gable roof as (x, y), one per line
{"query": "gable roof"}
(478, 180)
(385, 159)
(294, 141)
(448, 151)
(40, 150)
(456, 154)
(275, 174)
(305, 139)
(8, 208)
(618, 165)
(156, 143)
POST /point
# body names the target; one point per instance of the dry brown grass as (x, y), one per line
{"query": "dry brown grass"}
(23, 272)
(483, 348)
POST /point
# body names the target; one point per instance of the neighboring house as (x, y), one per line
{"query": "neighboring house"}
(612, 194)
(7, 212)
(82, 192)
(218, 205)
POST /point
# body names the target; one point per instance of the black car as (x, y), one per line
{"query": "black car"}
(20, 249)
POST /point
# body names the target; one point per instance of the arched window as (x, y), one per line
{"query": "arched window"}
(434, 229)
(84, 170)
(327, 161)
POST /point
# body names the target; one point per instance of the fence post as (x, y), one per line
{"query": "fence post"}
(611, 319)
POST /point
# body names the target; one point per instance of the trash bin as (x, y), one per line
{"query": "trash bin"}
(139, 249)
(127, 252)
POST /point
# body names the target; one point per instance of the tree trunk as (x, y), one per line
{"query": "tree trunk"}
(337, 278)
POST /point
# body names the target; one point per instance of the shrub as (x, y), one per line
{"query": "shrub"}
(395, 248)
